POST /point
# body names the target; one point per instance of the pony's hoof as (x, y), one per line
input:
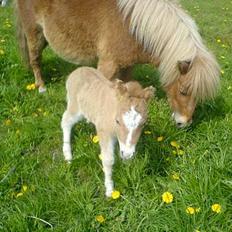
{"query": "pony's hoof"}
(42, 89)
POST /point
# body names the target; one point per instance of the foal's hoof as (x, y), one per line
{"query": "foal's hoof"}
(42, 89)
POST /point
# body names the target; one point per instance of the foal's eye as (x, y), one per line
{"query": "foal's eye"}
(117, 122)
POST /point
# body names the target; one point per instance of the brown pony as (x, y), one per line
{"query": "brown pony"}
(121, 33)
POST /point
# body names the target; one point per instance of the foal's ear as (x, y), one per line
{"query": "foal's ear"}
(120, 87)
(148, 93)
(184, 66)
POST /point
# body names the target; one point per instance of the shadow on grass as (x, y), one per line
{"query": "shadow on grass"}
(211, 110)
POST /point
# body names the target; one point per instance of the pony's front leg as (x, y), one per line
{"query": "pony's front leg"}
(108, 68)
(107, 152)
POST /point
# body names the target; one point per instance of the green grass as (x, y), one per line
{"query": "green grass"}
(69, 197)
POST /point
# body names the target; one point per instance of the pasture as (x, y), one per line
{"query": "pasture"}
(40, 192)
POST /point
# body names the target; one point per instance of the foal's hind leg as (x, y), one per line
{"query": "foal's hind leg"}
(36, 43)
(70, 117)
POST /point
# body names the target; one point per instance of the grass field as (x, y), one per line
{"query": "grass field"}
(40, 192)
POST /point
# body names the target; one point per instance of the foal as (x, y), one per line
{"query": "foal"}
(118, 110)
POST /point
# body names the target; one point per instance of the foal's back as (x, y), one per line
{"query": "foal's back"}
(88, 89)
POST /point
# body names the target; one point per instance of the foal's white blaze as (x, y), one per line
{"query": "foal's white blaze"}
(131, 120)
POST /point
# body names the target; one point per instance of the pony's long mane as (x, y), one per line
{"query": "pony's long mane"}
(166, 31)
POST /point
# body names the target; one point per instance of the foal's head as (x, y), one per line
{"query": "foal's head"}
(131, 115)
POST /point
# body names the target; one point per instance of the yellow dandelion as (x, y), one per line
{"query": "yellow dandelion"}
(216, 208)
(224, 46)
(160, 138)
(174, 152)
(31, 86)
(95, 139)
(222, 72)
(176, 176)
(180, 152)
(175, 144)
(167, 197)
(115, 194)
(100, 156)
(190, 210)
(19, 194)
(8, 122)
(100, 218)
(219, 40)
(147, 132)
(2, 52)
(24, 188)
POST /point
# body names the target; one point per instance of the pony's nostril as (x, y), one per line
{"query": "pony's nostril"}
(179, 124)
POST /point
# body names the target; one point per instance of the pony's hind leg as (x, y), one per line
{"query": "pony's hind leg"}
(68, 120)
(36, 43)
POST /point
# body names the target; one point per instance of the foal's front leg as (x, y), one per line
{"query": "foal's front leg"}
(107, 152)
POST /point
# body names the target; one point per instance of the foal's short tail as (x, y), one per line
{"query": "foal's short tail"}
(22, 40)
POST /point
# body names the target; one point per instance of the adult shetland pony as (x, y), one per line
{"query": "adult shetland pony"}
(121, 33)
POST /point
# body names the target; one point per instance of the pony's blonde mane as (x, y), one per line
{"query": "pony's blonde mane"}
(166, 31)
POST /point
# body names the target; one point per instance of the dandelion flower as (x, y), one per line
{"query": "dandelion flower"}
(19, 194)
(216, 208)
(24, 188)
(95, 139)
(147, 132)
(2, 52)
(167, 197)
(222, 72)
(8, 122)
(100, 157)
(160, 138)
(190, 210)
(115, 194)
(175, 176)
(175, 144)
(31, 87)
(180, 152)
(100, 218)
(219, 40)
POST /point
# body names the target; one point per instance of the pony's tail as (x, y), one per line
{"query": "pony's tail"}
(22, 40)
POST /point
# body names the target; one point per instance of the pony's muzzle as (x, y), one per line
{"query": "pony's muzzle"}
(181, 120)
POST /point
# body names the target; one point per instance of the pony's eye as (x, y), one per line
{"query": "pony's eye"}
(184, 93)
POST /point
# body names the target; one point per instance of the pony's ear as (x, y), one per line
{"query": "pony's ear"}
(184, 66)
(120, 87)
(148, 93)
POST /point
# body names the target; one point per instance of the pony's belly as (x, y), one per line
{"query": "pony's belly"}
(71, 46)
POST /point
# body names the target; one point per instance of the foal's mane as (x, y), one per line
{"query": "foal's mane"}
(166, 31)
